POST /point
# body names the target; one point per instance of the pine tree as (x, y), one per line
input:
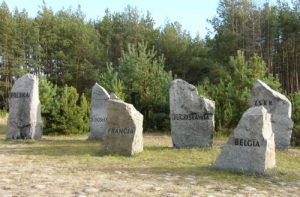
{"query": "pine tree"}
(145, 80)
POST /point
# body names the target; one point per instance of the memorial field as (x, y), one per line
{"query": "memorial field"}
(72, 165)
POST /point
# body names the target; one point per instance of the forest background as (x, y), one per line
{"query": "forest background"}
(126, 54)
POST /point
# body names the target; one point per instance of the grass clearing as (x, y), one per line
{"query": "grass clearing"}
(66, 156)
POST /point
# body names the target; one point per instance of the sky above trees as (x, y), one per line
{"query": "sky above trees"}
(191, 14)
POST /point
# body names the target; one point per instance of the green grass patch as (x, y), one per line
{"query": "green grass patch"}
(158, 157)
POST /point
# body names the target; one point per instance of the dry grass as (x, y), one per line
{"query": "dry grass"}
(80, 162)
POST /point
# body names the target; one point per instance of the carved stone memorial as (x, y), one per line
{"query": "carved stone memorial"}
(251, 148)
(24, 120)
(192, 116)
(98, 114)
(124, 129)
(280, 109)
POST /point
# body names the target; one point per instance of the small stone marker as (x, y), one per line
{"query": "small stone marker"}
(24, 120)
(251, 147)
(192, 116)
(280, 109)
(98, 114)
(124, 129)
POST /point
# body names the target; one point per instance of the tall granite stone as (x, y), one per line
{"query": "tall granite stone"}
(280, 109)
(251, 148)
(98, 114)
(124, 129)
(24, 120)
(192, 116)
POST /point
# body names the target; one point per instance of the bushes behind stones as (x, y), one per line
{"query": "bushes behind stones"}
(295, 99)
(232, 92)
(63, 111)
(140, 79)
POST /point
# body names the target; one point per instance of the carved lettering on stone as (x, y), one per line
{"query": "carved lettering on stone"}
(280, 109)
(24, 120)
(251, 147)
(125, 129)
(98, 114)
(192, 116)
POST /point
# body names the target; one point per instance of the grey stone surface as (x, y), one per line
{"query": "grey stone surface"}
(114, 96)
(124, 129)
(24, 120)
(192, 116)
(251, 148)
(280, 109)
(98, 114)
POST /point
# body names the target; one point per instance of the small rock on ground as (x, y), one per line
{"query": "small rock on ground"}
(91, 190)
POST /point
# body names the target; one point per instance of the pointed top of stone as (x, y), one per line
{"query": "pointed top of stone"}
(184, 83)
(207, 104)
(99, 92)
(113, 96)
(29, 76)
(260, 84)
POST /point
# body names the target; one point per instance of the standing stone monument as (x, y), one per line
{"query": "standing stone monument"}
(98, 114)
(280, 109)
(192, 116)
(124, 129)
(24, 120)
(251, 148)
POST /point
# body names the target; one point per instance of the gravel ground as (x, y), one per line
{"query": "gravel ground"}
(28, 175)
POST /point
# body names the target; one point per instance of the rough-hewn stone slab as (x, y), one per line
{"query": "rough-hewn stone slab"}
(124, 129)
(192, 116)
(280, 109)
(24, 120)
(98, 114)
(251, 148)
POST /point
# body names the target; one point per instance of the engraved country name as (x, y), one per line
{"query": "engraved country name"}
(262, 102)
(246, 142)
(19, 95)
(98, 119)
(121, 130)
(190, 116)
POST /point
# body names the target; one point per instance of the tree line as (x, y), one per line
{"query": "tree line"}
(127, 54)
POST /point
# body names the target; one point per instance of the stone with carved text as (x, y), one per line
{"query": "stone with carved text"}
(192, 116)
(24, 120)
(124, 129)
(251, 147)
(98, 114)
(280, 109)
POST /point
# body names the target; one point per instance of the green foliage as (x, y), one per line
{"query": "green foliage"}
(295, 99)
(49, 105)
(119, 29)
(47, 92)
(84, 114)
(69, 50)
(232, 92)
(111, 81)
(69, 111)
(60, 109)
(146, 83)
